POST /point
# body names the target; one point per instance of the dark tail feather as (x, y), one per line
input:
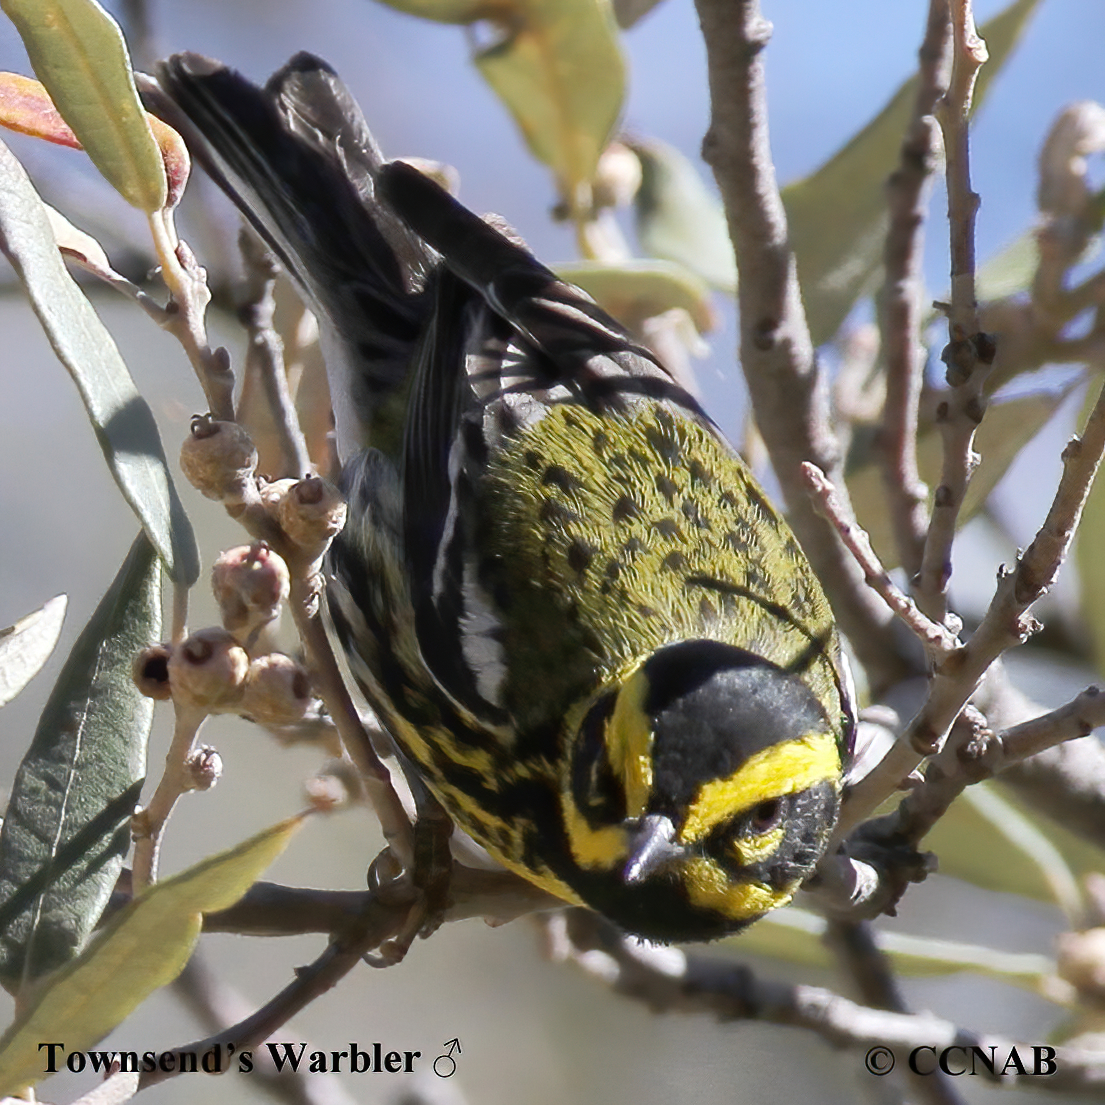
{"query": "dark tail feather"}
(298, 160)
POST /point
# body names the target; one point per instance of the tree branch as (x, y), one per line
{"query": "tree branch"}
(788, 393)
(901, 310)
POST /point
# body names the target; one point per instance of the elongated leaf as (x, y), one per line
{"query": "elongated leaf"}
(78, 52)
(1010, 270)
(837, 216)
(1088, 545)
(448, 11)
(26, 107)
(561, 74)
(985, 840)
(635, 290)
(1005, 430)
(630, 12)
(141, 949)
(121, 418)
(796, 936)
(27, 645)
(678, 217)
(67, 826)
(559, 70)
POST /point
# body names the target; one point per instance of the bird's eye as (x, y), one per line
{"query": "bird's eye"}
(765, 816)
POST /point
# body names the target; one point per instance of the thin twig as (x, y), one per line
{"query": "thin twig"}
(187, 284)
(339, 958)
(901, 310)
(149, 823)
(1005, 625)
(217, 1005)
(938, 641)
(788, 393)
(862, 960)
(304, 601)
(978, 753)
(669, 980)
(265, 355)
(1078, 718)
(327, 680)
(969, 353)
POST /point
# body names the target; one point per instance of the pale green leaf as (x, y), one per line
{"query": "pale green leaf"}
(1006, 429)
(679, 218)
(796, 936)
(27, 645)
(985, 840)
(1010, 270)
(837, 216)
(67, 827)
(558, 68)
(1088, 545)
(560, 72)
(631, 12)
(450, 11)
(122, 420)
(78, 53)
(635, 290)
(141, 949)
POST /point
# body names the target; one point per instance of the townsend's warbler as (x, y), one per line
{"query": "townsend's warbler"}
(560, 590)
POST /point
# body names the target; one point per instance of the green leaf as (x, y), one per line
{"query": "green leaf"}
(122, 420)
(679, 218)
(1010, 270)
(1088, 543)
(795, 935)
(450, 11)
(837, 216)
(68, 822)
(27, 645)
(1006, 429)
(631, 12)
(142, 948)
(558, 68)
(633, 291)
(561, 74)
(985, 840)
(78, 52)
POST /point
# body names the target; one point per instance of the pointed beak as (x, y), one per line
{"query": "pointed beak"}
(651, 849)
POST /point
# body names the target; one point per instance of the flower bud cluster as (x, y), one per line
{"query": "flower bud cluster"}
(220, 461)
(235, 667)
(231, 668)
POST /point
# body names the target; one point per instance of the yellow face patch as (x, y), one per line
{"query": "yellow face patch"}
(709, 887)
(629, 744)
(786, 768)
(594, 849)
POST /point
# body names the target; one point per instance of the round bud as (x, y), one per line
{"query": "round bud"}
(150, 671)
(208, 670)
(272, 491)
(618, 176)
(311, 512)
(250, 583)
(1080, 960)
(218, 458)
(205, 766)
(277, 691)
(337, 785)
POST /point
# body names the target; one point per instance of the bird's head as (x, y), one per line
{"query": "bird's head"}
(702, 791)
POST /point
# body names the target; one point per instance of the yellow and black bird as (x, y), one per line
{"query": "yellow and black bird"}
(561, 590)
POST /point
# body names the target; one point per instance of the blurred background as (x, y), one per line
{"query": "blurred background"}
(530, 1030)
